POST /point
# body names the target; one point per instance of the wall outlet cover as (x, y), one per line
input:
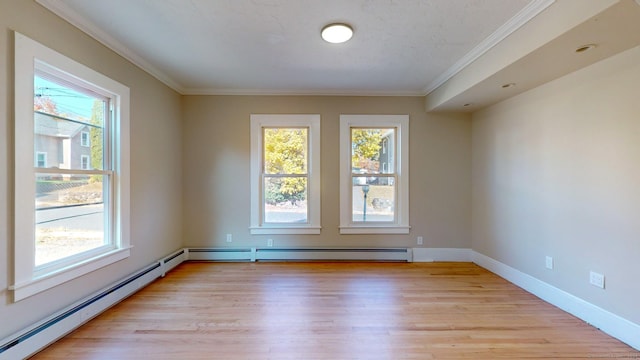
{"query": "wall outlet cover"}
(549, 262)
(596, 279)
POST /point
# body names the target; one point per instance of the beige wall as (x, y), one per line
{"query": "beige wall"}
(155, 161)
(216, 170)
(556, 172)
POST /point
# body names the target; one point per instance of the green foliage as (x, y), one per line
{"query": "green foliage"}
(285, 153)
(96, 137)
(365, 146)
(278, 191)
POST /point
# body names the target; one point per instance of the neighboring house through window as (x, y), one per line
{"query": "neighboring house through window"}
(76, 122)
(285, 174)
(374, 174)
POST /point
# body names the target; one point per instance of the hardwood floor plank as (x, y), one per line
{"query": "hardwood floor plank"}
(334, 311)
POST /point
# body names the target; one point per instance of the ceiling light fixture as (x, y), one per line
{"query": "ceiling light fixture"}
(337, 33)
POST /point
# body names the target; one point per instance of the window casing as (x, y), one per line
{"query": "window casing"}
(80, 174)
(285, 174)
(374, 174)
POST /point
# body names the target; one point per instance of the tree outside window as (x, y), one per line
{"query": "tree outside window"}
(285, 174)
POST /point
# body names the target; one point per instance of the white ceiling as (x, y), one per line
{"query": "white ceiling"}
(400, 47)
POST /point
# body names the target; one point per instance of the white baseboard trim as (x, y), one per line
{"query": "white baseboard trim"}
(441, 254)
(612, 324)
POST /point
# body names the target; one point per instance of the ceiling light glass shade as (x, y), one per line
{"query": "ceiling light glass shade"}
(337, 33)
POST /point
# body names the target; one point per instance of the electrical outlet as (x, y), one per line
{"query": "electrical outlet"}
(270, 242)
(420, 240)
(596, 279)
(549, 262)
(229, 238)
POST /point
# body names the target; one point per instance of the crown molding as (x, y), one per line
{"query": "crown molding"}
(522, 17)
(71, 16)
(297, 92)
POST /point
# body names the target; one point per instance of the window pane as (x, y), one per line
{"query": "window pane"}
(68, 126)
(285, 199)
(69, 215)
(372, 151)
(285, 151)
(373, 199)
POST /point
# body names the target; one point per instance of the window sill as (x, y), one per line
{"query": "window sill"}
(368, 229)
(288, 230)
(45, 282)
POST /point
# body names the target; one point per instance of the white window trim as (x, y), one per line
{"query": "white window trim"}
(27, 281)
(401, 124)
(82, 162)
(310, 121)
(45, 158)
(82, 137)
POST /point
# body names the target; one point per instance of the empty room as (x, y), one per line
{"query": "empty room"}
(305, 179)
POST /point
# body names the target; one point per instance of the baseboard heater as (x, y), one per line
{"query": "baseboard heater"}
(35, 338)
(300, 254)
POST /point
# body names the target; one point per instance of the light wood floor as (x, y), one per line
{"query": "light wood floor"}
(335, 311)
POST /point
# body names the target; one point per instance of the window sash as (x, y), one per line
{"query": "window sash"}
(108, 240)
(399, 171)
(394, 177)
(85, 139)
(259, 122)
(31, 60)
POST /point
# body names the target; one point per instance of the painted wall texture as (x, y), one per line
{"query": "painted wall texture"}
(156, 226)
(556, 173)
(216, 169)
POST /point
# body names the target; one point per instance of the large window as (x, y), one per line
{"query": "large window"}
(374, 174)
(71, 206)
(285, 174)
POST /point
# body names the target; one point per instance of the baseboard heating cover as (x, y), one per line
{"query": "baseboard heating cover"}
(221, 254)
(300, 254)
(38, 336)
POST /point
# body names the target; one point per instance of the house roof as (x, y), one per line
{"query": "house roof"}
(56, 126)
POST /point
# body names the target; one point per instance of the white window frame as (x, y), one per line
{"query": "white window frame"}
(29, 280)
(401, 224)
(85, 140)
(312, 123)
(82, 157)
(45, 158)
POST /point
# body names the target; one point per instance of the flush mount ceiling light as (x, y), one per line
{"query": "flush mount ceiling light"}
(337, 33)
